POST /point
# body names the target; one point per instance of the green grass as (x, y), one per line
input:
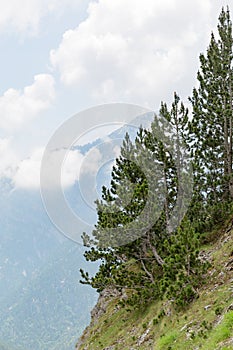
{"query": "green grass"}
(166, 341)
(221, 333)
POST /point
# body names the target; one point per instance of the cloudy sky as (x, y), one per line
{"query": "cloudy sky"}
(59, 57)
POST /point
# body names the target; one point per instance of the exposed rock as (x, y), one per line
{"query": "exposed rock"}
(104, 298)
(143, 337)
(230, 308)
(100, 308)
(207, 307)
(186, 326)
(229, 265)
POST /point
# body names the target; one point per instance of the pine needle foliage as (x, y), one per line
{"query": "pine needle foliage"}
(145, 239)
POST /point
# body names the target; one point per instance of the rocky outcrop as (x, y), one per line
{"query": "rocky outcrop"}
(99, 310)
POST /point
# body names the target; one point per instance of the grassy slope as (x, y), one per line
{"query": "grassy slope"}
(207, 324)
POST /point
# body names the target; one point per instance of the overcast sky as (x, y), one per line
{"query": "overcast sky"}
(59, 57)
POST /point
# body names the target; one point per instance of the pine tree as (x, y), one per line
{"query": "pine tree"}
(138, 238)
(182, 269)
(211, 126)
(177, 118)
(124, 232)
(136, 214)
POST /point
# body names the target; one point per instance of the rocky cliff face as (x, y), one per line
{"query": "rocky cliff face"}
(105, 297)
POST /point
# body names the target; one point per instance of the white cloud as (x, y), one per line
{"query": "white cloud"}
(126, 50)
(71, 168)
(25, 15)
(27, 174)
(91, 162)
(18, 107)
(8, 159)
(136, 51)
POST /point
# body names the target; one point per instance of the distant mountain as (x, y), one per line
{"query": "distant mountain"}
(51, 308)
(27, 238)
(42, 304)
(6, 347)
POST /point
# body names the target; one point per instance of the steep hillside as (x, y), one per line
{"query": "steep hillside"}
(206, 324)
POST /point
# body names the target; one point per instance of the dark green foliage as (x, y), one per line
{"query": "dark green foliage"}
(182, 268)
(147, 243)
(218, 311)
(142, 205)
(210, 136)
